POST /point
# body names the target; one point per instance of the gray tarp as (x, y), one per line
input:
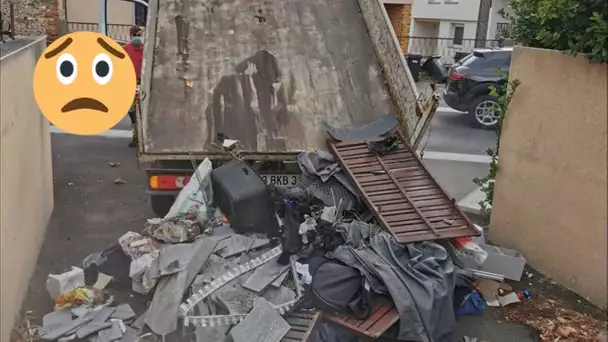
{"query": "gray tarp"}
(324, 178)
(418, 277)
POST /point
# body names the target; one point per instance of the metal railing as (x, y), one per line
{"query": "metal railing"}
(449, 50)
(115, 31)
(503, 30)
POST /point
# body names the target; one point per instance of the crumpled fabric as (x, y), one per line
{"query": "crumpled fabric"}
(418, 277)
(323, 165)
(318, 164)
(327, 332)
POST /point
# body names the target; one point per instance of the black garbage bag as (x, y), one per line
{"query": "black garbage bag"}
(292, 241)
(337, 287)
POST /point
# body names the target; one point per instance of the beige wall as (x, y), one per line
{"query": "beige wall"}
(26, 180)
(87, 11)
(550, 197)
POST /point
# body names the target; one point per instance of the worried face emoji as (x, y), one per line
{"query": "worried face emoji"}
(84, 83)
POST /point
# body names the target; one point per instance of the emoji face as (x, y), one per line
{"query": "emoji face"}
(84, 83)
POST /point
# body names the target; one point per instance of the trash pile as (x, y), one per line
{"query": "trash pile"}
(555, 322)
(237, 259)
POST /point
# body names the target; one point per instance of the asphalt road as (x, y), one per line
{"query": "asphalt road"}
(452, 132)
(124, 124)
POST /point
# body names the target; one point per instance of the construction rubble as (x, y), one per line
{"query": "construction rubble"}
(367, 245)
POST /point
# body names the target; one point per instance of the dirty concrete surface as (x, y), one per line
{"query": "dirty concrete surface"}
(92, 212)
(11, 45)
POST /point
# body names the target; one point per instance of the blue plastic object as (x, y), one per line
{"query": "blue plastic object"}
(472, 304)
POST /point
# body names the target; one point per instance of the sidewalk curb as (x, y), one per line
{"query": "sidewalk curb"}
(469, 205)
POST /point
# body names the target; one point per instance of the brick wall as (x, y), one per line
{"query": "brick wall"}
(400, 18)
(35, 17)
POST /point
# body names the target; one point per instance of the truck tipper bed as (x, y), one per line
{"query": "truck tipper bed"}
(272, 74)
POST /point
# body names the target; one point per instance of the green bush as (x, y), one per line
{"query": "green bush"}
(486, 184)
(576, 26)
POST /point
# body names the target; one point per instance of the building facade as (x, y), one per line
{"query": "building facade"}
(83, 15)
(447, 27)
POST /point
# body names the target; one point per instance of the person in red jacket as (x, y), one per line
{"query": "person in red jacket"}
(135, 50)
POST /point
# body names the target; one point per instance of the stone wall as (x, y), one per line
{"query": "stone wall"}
(26, 176)
(35, 17)
(400, 18)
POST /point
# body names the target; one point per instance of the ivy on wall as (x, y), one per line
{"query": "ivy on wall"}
(504, 95)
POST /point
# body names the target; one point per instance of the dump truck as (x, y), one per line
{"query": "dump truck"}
(272, 75)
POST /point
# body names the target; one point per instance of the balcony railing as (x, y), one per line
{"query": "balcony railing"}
(502, 30)
(114, 31)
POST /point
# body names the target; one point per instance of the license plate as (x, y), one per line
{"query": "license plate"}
(281, 180)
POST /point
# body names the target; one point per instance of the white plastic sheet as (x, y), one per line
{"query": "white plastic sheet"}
(196, 197)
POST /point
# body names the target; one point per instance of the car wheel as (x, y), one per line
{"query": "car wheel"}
(161, 204)
(485, 111)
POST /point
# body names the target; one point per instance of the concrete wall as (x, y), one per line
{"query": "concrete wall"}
(26, 180)
(550, 198)
(462, 10)
(495, 18)
(87, 11)
(446, 28)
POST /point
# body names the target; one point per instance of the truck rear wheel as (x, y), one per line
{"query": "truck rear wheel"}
(161, 204)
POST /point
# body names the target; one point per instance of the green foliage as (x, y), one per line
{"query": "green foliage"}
(504, 95)
(576, 26)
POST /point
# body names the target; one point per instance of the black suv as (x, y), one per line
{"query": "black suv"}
(469, 81)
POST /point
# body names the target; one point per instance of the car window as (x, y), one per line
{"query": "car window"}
(488, 60)
(473, 61)
(465, 58)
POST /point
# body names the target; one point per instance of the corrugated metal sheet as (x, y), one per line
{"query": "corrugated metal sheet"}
(302, 325)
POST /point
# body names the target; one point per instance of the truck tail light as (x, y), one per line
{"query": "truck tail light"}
(168, 182)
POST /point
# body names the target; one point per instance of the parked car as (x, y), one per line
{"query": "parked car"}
(469, 83)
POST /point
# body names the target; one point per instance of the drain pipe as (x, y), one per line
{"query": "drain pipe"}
(102, 25)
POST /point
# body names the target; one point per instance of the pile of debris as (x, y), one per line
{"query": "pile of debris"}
(368, 241)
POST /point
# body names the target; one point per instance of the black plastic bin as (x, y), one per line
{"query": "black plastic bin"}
(413, 62)
(242, 195)
(460, 55)
(436, 69)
